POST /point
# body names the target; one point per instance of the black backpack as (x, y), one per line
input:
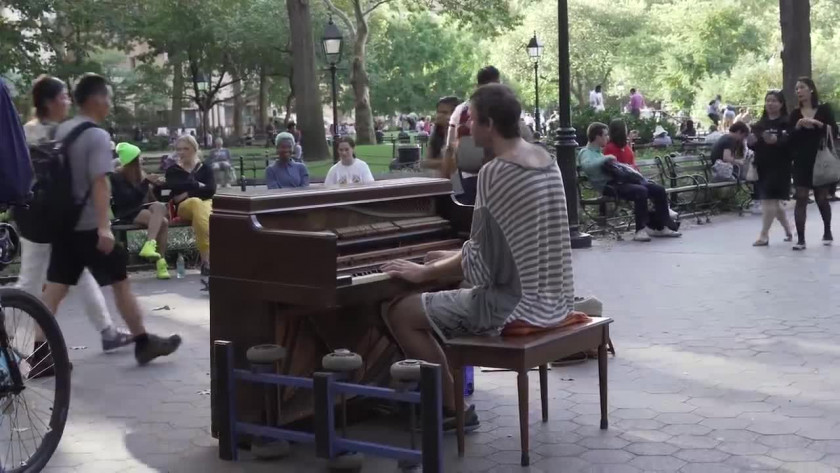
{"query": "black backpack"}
(53, 212)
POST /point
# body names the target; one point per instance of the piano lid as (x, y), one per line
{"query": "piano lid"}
(255, 201)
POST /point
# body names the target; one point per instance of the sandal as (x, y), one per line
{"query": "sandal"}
(789, 237)
(761, 243)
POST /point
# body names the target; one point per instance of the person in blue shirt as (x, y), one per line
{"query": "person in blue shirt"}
(285, 172)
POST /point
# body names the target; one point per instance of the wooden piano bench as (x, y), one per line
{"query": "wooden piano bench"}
(522, 353)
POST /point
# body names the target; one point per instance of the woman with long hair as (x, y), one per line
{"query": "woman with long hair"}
(769, 139)
(437, 139)
(132, 201)
(810, 121)
(52, 102)
(619, 145)
(193, 186)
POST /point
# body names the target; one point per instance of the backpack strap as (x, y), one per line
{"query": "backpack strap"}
(76, 132)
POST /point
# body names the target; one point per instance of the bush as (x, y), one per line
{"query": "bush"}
(156, 143)
(583, 117)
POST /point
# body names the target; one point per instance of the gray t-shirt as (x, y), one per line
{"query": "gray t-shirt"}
(90, 157)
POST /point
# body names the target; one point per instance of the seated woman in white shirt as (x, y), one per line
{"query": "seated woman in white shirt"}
(349, 169)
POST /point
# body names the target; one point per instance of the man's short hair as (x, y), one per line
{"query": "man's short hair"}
(739, 127)
(595, 130)
(88, 86)
(498, 103)
(488, 75)
(632, 91)
(450, 100)
(598, 88)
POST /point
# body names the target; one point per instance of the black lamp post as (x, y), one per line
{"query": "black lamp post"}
(332, 43)
(566, 143)
(535, 49)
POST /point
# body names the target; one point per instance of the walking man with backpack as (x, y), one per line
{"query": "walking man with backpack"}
(84, 240)
(51, 102)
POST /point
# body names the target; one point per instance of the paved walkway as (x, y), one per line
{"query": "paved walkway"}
(727, 361)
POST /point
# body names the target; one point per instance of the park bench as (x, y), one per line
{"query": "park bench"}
(696, 169)
(521, 353)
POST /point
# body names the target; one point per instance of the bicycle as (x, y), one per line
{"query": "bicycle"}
(34, 376)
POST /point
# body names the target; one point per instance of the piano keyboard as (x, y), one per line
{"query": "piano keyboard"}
(363, 277)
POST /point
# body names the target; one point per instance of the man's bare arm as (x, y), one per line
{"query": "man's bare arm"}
(101, 194)
(445, 268)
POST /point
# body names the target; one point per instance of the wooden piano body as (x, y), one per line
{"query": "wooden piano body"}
(299, 268)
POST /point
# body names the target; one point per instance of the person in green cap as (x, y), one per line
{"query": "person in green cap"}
(133, 202)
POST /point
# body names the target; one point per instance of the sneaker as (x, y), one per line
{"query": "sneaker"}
(471, 421)
(154, 347)
(589, 306)
(162, 269)
(641, 235)
(828, 239)
(113, 338)
(799, 246)
(664, 233)
(41, 364)
(149, 250)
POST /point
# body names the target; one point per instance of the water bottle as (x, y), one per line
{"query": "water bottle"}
(180, 267)
(469, 381)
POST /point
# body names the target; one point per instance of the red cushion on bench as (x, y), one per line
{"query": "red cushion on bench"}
(520, 328)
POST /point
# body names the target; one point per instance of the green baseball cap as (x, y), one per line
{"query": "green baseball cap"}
(127, 153)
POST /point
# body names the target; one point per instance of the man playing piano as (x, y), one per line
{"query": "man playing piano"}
(517, 262)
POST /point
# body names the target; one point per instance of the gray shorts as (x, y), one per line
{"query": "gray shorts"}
(450, 313)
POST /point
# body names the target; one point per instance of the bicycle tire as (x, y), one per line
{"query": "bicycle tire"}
(34, 308)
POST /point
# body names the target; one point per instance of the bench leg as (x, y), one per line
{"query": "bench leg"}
(522, 385)
(602, 379)
(458, 374)
(544, 391)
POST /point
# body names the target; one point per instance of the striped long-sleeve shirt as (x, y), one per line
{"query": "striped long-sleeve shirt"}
(519, 255)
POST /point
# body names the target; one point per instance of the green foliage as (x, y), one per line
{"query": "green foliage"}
(582, 117)
(418, 59)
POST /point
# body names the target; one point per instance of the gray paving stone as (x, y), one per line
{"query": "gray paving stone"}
(657, 463)
(783, 441)
(606, 456)
(743, 448)
(694, 441)
(709, 468)
(701, 455)
(796, 454)
(651, 448)
(808, 467)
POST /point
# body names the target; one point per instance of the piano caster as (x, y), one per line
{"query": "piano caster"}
(407, 375)
(347, 462)
(264, 359)
(343, 362)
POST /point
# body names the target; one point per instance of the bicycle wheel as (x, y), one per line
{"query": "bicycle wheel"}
(33, 410)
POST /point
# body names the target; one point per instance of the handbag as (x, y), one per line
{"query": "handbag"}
(722, 171)
(752, 170)
(826, 164)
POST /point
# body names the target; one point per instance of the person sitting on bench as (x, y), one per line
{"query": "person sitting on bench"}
(133, 202)
(607, 177)
(518, 260)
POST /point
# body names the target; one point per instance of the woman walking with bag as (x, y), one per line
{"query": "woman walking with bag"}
(812, 123)
(769, 139)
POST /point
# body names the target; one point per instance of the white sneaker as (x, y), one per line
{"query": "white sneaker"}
(641, 235)
(664, 233)
(589, 305)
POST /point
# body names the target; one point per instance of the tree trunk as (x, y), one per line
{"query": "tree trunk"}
(177, 95)
(310, 116)
(262, 119)
(361, 83)
(290, 99)
(796, 44)
(238, 106)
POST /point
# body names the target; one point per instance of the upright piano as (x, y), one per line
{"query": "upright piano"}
(300, 268)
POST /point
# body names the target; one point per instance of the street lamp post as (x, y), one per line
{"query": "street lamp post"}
(332, 43)
(535, 49)
(566, 142)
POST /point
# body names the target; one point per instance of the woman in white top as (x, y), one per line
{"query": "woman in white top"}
(349, 169)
